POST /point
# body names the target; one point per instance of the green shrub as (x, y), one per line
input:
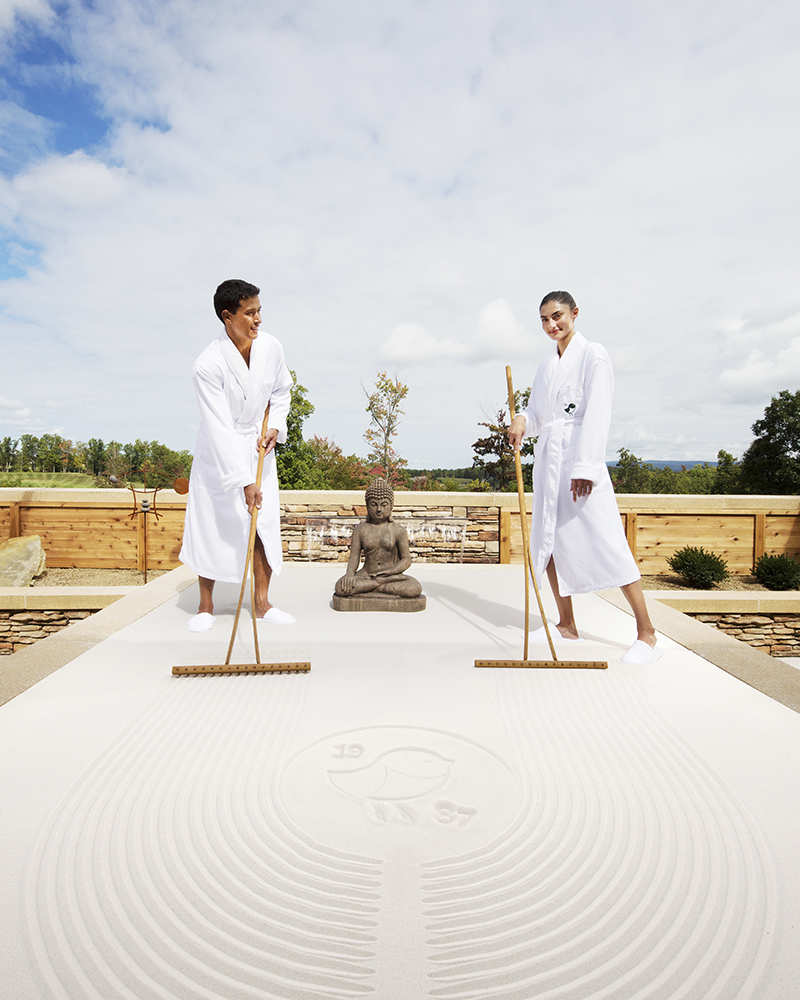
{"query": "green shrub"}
(778, 572)
(699, 568)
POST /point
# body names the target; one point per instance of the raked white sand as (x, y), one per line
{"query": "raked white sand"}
(397, 823)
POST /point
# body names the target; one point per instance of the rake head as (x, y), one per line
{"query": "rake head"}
(242, 668)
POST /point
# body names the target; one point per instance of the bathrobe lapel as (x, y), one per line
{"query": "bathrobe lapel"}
(249, 379)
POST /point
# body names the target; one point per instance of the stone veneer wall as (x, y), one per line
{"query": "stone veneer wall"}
(461, 528)
(19, 629)
(776, 634)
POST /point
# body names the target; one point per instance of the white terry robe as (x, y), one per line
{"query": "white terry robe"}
(570, 411)
(232, 400)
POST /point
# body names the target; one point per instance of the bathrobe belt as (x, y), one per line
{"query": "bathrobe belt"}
(245, 429)
(550, 481)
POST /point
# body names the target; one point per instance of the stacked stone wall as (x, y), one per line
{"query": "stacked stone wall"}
(19, 629)
(316, 532)
(776, 634)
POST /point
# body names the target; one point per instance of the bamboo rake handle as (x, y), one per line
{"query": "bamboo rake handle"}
(250, 547)
(523, 516)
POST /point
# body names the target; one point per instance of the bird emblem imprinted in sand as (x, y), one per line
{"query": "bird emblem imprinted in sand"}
(405, 773)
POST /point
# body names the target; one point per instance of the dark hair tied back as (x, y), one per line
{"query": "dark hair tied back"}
(563, 297)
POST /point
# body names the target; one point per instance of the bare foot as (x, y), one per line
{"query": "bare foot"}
(568, 632)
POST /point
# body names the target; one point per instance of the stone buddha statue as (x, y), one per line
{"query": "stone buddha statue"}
(382, 579)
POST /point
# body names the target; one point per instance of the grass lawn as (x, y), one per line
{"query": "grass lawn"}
(43, 480)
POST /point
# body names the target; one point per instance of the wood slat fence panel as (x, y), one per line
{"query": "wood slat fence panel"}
(164, 539)
(102, 537)
(659, 536)
(782, 534)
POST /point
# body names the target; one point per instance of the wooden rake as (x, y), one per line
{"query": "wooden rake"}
(526, 552)
(258, 667)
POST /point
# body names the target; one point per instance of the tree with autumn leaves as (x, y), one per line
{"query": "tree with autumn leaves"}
(383, 406)
(493, 455)
(321, 464)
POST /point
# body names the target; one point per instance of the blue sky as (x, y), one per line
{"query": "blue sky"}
(404, 180)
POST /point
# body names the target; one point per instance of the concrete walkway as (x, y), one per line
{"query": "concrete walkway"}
(396, 823)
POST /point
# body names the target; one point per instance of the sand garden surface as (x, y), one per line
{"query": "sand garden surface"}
(397, 823)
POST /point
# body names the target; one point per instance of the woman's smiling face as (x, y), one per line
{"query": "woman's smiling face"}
(558, 322)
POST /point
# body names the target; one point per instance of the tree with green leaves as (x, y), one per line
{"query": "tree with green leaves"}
(78, 457)
(632, 475)
(28, 452)
(297, 468)
(383, 406)
(135, 455)
(116, 464)
(771, 465)
(95, 456)
(9, 452)
(163, 466)
(727, 476)
(50, 457)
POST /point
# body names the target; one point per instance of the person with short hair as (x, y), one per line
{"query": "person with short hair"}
(235, 378)
(576, 534)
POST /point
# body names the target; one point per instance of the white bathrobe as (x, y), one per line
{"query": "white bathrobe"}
(570, 411)
(232, 400)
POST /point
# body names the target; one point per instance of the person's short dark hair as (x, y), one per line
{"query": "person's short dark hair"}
(563, 297)
(230, 293)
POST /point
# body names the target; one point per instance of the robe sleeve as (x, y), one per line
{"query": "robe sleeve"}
(280, 399)
(215, 414)
(590, 452)
(533, 422)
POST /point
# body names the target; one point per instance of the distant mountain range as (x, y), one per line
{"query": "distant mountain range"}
(662, 464)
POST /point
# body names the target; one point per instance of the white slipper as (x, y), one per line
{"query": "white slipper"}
(201, 623)
(277, 617)
(641, 653)
(541, 636)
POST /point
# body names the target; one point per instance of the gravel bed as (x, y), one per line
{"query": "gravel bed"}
(96, 577)
(134, 578)
(671, 581)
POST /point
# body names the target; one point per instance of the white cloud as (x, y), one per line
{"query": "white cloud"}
(498, 335)
(25, 10)
(759, 377)
(429, 170)
(22, 135)
(72, 183)
(411, 342)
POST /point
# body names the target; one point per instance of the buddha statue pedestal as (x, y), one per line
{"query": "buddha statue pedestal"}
(379, 602)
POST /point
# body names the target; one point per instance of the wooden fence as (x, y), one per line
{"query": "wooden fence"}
(98, 528)
(101, 534)
(741, 529)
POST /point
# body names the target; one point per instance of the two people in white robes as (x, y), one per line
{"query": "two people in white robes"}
(235, 378)
(577, 536)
